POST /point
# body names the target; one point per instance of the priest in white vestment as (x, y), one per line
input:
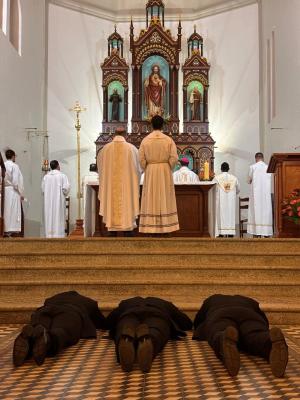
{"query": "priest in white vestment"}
(158, 157)
(260, 216)
(55, 187)
(227, 188)
(184, 176)
(119, 184)
(14, 189)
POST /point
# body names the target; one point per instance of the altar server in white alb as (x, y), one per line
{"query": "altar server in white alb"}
(119, 184)
(260, 219)
(227, 188)
(14, 189)
(184, 175)
(56, 187)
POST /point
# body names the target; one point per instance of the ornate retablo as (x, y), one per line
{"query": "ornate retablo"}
(155, 70)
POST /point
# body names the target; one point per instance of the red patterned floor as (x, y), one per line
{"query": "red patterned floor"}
(185, 370)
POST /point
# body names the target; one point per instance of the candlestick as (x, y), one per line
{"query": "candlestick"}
(206, 171)
(79, 222)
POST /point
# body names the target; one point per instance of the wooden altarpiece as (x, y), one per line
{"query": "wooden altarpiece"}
(115, 88)
(155, 55)
(196, 137)
(155, 41)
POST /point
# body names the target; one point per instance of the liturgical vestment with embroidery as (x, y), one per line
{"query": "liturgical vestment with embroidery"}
(119, 182)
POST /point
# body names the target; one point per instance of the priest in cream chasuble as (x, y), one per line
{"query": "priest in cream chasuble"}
(119, 183)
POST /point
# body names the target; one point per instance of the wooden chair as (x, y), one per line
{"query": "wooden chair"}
(67, 229)
(243, 205)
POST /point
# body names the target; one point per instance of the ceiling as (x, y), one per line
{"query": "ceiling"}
(122, 10)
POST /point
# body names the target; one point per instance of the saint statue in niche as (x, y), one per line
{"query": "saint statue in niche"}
(115, 99)
(155, 92)
(195, 102)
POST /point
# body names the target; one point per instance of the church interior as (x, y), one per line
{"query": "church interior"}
(223, 77)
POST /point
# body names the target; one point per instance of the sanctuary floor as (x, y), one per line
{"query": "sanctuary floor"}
(184, 370)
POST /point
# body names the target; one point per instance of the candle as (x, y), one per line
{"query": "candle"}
(206, 171)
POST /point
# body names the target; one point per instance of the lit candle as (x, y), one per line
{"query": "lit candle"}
(206, 171)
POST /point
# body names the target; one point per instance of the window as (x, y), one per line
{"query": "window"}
(15, 24)
(3, 15)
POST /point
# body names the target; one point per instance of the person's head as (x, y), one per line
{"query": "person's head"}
(54, 164)
(184, 162)
(115, 91)
(259, 157)
(120, 131)
(93, 167)
(157, 122)
(10, 155)
(224, 167)
(155, 69)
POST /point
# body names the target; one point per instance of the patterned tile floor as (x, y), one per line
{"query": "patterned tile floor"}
(184, 370)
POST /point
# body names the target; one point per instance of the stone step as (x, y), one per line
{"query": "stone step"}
(161, 260)
(258, 276)
(182, 270)
(36, 293)
(150, 246)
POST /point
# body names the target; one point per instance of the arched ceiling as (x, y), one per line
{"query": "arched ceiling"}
(122, 10)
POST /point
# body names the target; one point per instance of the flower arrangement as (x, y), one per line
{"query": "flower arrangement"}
(291, 206)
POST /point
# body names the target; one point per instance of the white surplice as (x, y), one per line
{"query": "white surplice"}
(119, 184)
(14, 189)
(184, 176)
(227, 187)
(260, 219)
(56, 187)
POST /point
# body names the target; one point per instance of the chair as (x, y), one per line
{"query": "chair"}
(67, 229)
(243, 205)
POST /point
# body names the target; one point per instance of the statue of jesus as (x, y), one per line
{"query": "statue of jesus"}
(155, 92)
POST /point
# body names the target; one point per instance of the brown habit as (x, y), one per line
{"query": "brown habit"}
(158, 156)
(119, 177)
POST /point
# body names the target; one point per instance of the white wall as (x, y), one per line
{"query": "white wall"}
(22, 104)
(280, 130)
(77, 46)
(231, 47)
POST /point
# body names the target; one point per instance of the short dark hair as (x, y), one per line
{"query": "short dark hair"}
(224, 167)
(120, 130)
(259, 155)
(9, 154)
(157, 122)
(93, 167)
(54, 164)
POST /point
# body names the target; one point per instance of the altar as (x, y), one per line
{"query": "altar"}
(195, 207)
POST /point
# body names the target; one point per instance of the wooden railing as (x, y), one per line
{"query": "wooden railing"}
(2, 191)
